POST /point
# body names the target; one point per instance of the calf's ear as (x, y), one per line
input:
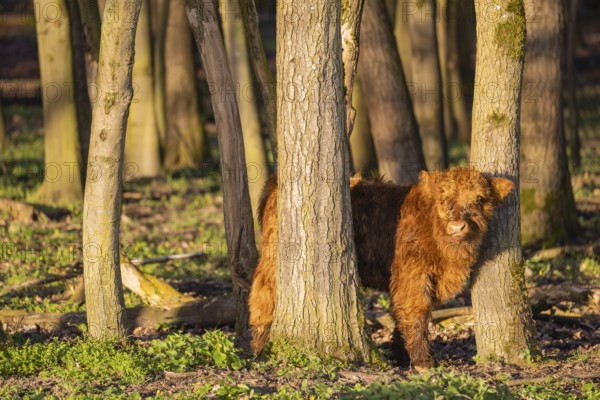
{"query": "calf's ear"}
(501, 188)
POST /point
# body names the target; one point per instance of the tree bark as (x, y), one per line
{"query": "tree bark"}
(442, 32)
(185, 139)
(504, 327)
(239, 222)
(261, 68)
(62, 158)
(402, 36)
(101, 213)
(548, 210)
(237, 55)
(361, 141)
(142, 146)
(3, 138)
(159, 18)
(571, 92)
(393, 125)
(318, 305)
(427, 84)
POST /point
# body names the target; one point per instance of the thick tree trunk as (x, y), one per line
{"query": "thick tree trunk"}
(571, 92)
(318, 305)
(237, 55)
(455, 89)
(101, 213)
(548, 210)
(261, 68)
(393, 125)
(503, 323)
(402, 36)
(185, 139)
(62, 158)
(239, 223)
(361, 141)
(142, 146)
(427, 84)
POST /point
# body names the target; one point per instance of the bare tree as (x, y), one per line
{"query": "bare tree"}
(361, 142)
(239, 223)
(393, 125)
(101, 213)
(503, 322)
(548, 210)
(62, 158)
(318, 305)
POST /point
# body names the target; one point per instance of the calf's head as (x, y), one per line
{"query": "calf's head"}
(463, 202)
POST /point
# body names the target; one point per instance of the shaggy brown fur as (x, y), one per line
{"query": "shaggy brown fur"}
(419, 242)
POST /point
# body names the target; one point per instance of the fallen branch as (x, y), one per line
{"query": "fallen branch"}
(542, 379)
(36, 282)
(209, 313)
(546, 297)
(591, 250)
(173, 257)
(22, 213)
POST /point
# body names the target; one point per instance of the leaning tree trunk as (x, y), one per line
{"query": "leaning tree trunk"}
(361, 141)
(318, 304)
(239, 63)
(402, 36)
(3, 138)
(239, 222)
(393, 125)
(101, 213)
(62, 158)
(571, 92)
(503, 323)
(142, 144)
(185, 140)
(427, 96)
(442, 30)
(548, 210)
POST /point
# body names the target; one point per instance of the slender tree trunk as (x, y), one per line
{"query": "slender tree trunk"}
(101, 214)
(503, 323)
(393, 125)
(3, 138)
(262, 72)
(318, 304)
(427, 84)
(237, 55)
(361, 141)
(239, 223)
(455, 89)
(571, 92)
(91, 21)
(441, 29)
(185, 140)
(402, 36)
(142, 146)
(62, 158)
(390, 6)
(159, 17)
(548, 210)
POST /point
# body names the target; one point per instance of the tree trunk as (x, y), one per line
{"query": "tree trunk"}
(237, 55)
(441, 30)
(393, 125)
(159, 18)
(318, 305)
(185, 140)
(142, 146)
(503, 323)
(91, 21)
(3, 138)
(62, 158)
(455, 89)
(427, 85)
(548, 210)
(261, 68)
(239, 222)
(571, 95)
(101, 213)
(402, 36)
(361, 141)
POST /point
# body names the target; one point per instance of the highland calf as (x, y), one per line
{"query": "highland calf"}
(418, 242)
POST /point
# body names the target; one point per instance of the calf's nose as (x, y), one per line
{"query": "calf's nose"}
(455, 227)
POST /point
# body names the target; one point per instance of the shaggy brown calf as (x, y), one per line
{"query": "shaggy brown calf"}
(419, 242)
